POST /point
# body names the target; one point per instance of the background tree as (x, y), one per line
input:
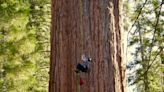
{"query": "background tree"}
(23, 62)
(146, 37)
(90, 27)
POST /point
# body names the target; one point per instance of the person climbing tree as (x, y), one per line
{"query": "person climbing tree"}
(84, 67)
(92, 27)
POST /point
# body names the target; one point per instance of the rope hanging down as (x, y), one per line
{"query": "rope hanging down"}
(81, 31)
(81, 25)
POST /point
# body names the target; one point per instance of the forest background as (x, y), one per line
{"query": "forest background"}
(25, 45)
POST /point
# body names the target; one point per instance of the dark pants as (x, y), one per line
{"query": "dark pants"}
(81, 68)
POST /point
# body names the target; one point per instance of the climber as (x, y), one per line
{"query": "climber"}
(84, 66)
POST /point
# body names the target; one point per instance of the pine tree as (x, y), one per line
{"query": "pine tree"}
(23, 66)
(145, 37)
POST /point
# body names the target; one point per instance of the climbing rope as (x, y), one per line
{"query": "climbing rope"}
(81, 31)
(81, 24)
(78, 81)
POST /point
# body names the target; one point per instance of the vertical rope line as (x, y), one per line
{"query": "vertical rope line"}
(82, 41)
(78, 82)
(81, 24)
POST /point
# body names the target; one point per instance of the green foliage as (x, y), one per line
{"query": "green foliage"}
(24, 48)
(146, 37)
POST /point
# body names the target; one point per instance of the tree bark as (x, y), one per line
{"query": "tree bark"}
(100, 39)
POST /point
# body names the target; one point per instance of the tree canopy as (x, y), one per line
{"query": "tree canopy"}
(146, 40)
(24, 48)
(25, 44)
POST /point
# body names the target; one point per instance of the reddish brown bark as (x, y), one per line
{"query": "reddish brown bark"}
(100, 39)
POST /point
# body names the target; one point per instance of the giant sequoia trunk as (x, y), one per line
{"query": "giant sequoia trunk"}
(90, 27)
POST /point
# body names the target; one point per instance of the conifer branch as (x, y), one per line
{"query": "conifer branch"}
(155, 30)
(161, 49)
(141, 42)
(135, 23)
(140, 11)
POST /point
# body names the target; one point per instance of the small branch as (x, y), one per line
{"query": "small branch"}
(148, 21)
(134, 24)
(154, 59)
(161, 49)
(141, 43)
(44, 42)
(47, 51)
(138, 15)
(155, 29)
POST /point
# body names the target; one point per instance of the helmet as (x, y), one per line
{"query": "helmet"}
(89, 59)
(85, 58)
